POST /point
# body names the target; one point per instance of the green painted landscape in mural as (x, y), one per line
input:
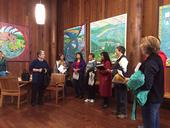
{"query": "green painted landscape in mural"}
(107, 34)
(164, 30)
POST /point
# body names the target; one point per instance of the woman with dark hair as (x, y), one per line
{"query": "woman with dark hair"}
(90, 76)
(105, 79)
(78, 74)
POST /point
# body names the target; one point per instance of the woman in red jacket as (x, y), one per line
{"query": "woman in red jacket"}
(105, 78)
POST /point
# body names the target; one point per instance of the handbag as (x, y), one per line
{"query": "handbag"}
(91, 79)
(119, 79)
(75, 76)
(25, 76)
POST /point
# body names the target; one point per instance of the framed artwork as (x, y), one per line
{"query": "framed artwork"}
(107, 34)
(74, 41)
(164, 30)
(14, 42)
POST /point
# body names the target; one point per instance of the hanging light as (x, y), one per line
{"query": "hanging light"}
(40, 13)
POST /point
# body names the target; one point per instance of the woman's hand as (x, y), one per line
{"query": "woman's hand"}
(76, 70)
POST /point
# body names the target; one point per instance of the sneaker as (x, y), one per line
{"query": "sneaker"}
(121, 116)
(114, 112)
(140, 126)
(105, 106)
(91, 100)
(86, 100)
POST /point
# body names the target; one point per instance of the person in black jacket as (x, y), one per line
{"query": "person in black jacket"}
(39, 68)
(153, 70)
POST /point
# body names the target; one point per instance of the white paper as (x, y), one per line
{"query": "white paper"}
(120, 72)
(62, 69)
(138, 66)
(75, 76)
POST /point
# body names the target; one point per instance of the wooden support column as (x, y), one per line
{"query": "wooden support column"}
(134, 31)
(150, 17)
(53, 43)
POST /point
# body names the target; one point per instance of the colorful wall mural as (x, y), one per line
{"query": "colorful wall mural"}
(107, 34)
(14, 42)
(74, 41)
(164, 30)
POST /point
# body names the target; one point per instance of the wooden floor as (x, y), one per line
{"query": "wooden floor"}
(73, 113)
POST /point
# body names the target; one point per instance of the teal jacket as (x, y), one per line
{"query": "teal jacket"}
(136, 81)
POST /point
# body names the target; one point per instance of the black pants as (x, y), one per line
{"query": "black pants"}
(121, 98)
(105, 101)
(78, 85)
(91, 92)
(37, 93)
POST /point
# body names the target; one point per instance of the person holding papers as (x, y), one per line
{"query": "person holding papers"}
(105, 79)
(61, 65)
(120, 66)
(38, 67)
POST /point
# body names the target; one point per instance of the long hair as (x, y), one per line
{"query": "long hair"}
(61, 54)
(81, 56)
(106, 56)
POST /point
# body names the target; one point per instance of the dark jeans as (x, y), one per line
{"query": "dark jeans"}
(150, 115)
(78, 85)
(105, 101)
(91, 92)
(3, 73)
(37, 93)
(121, 98)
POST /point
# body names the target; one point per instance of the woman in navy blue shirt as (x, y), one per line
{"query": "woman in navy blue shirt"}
(153, 70)
(38, 67)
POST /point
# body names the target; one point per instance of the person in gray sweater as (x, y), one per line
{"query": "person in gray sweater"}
(91, 78)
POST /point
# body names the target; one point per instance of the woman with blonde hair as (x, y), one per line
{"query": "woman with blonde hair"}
(153, 70)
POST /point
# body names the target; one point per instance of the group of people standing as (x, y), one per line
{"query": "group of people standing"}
(153, 67)
(88, 72)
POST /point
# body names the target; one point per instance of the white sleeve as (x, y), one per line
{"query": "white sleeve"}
(123, 63)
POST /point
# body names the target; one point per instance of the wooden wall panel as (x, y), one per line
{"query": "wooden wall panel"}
(21, 12)
(150, 17)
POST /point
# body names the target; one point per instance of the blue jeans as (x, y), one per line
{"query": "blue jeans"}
(3, 73)
(150, 115)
